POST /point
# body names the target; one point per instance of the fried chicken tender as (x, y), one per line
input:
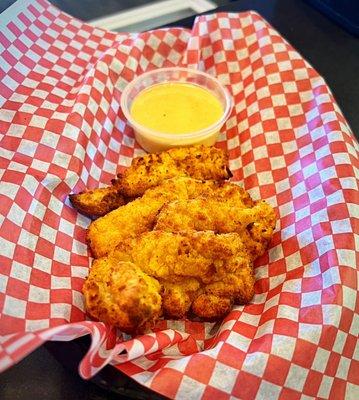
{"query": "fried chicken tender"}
(199, 271)
(122, 295)
(255, 224)
(167, 255)
(177, 297)
(185, 248)
(139, 216)
(211, 307)
(199, 162)
(97, 202)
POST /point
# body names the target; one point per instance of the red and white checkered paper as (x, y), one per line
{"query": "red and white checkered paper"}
(62, 130)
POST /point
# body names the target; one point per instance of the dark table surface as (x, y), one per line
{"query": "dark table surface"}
(335, 55)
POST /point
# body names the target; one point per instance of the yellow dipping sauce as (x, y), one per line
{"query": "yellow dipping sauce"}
(176, 108)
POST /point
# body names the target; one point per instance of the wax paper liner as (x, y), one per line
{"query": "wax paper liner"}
(62, 131)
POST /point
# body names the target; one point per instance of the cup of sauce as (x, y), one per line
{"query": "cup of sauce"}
(175, 107)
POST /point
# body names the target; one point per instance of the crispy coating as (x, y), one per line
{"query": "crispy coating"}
(97, 202)
(185, 248)
(177, 297)
(211, 307)
(120, 294)
(139, 215)
(255, 224)
(192, 264)
(199, 162)
(202, 255)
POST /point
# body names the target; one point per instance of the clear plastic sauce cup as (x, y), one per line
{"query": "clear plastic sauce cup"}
(155, 141)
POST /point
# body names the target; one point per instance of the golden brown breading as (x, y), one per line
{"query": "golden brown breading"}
(97, 202)
(211, 307)
(120, 294)
(199, 162)
(229, 284)
(202, 255)
(221, 216)
(190, 264)
(177, 297)
(186, 247)
(139, 215)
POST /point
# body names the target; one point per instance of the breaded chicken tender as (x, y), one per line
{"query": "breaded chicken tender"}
(211, 307)
(198, 162)
(202, 255)
(192, 266)
(97, 202)
(255, 223)
(139, 215)
(177, 297)
(122, 295)
(184, 249)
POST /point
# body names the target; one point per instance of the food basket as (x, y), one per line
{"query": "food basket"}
(62, 130)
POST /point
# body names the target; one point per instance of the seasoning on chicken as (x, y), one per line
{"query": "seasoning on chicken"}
(193, 266)
(97, 202)
(198, 162)
(139, 215)
(120, 294)
(185, 248)
(255, 224)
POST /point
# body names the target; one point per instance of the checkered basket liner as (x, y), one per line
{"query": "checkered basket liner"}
(62, 130)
